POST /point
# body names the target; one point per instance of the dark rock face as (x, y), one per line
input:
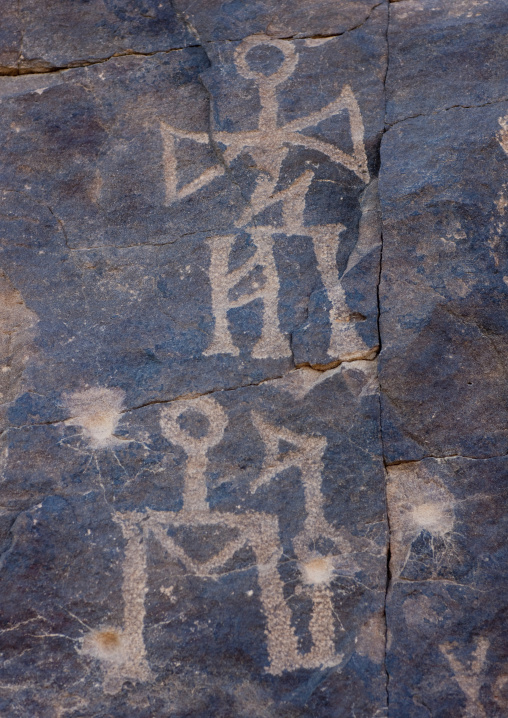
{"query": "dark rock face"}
(443, 288)
(228, 548)
(233, 20)
(195, 518)
(134, 173)
(212, 218)
(41, 36)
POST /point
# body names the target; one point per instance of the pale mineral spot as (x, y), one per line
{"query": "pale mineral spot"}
(116, 650)
(105, 644)
(97, 411)
(435, 518)
(108, 640)
(317, 571)
(417, 501)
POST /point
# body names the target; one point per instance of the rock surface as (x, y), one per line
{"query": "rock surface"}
(443, 369)
(216, 500)
(444, 302)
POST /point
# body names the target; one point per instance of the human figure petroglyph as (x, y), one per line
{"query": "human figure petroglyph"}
(197, 425)
(268, 145)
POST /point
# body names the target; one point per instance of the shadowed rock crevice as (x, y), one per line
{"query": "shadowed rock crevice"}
(389, 528)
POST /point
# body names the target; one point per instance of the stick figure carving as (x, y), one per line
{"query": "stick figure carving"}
(197, 425)
(268, 145)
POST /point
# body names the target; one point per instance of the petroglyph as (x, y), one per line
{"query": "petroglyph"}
(17, 330)
(122, 650)
(469, 677)
(371, 639)
(97, 412)
(317, 570)
(503, 133)
(271, 343)
(169, 136)
(197, 425)
(302, 381)
(497, 239)
(268, 147)
(417, 502)
(499, 691)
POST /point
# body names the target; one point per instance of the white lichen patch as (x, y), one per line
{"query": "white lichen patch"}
(106, 644)
(97, 411)
(433, 517)
(317, 571)
(417, 501)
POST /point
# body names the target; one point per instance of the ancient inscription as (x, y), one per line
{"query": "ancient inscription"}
(469, 676)
(268, 146)
(259, 531)
(422, 513)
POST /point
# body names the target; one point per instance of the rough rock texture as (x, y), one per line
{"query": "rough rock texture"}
(445, 54)
(444, 286)
(42, 35)
(216, 500)
(443, 366)
(447, 648)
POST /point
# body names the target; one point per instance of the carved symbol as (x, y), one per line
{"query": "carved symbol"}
(469, 677)
(268, 145)
(169, 135)
(257, 530)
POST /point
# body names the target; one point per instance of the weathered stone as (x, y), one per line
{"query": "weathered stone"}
(233, 20)
(212, 506)
(194, 520)
(443, 369)
(229, 548)
(444, 54)
(10, 39)
(443, 292)
(446, 609)
(41, 36)
(134, 204)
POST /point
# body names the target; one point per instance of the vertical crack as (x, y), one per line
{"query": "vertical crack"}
(388, 552)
